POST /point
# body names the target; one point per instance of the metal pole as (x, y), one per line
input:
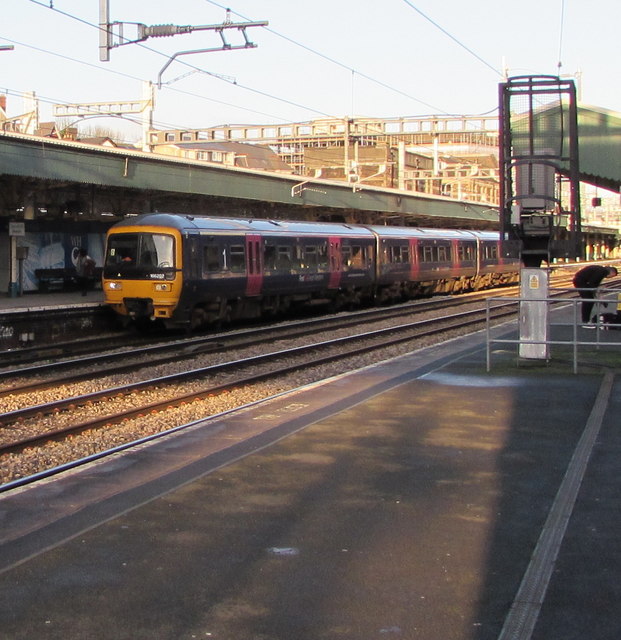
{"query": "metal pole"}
(105, 37)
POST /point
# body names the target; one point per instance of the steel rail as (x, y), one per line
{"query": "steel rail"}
(420, 328)
(191, 347)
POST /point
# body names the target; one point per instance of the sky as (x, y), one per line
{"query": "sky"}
(315, 59)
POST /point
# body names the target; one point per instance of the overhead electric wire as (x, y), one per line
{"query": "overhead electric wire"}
(124, 75)
(453, 38)
(183, 62)
(560, 37)
(336, 62)
(436, 110)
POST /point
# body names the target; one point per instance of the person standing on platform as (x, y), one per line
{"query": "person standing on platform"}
(84, 267)
(586, 281)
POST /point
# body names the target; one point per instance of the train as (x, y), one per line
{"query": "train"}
(194, 271)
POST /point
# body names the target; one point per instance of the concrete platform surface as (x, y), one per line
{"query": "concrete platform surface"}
(420, 498)
(36, 300)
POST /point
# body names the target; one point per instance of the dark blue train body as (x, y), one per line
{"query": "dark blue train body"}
(194, 270)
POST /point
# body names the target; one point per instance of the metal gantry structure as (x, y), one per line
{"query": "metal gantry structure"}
(112, 34)
(539, 168)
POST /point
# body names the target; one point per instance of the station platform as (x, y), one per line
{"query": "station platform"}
(421, 498)
(54, 299)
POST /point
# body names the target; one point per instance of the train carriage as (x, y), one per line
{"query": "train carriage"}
(493, 267)
(415, 261)
(234, 268)
(191, 270)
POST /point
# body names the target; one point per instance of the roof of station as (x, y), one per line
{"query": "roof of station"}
(599, 133)
(48, 159)
(599, 141)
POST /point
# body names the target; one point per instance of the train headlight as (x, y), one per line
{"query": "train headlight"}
(162, 286)
(114, 286)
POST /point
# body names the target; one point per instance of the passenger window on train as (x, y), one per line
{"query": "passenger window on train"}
(269, 257)
(346, 253)
(322, 258)
(211, 259)
(353, 257)
(238, 258)
(427, 254)
(360, 257)
(491, 252)
(310, 257)
(399, 254)
(283, 259)
(297, 260)
(443, 254)
(465, 252)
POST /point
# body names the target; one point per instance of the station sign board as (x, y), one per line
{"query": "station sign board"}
(17, 229)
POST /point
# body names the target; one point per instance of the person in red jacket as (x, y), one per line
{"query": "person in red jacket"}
(586, 281)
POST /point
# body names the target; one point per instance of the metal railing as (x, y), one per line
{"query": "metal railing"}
(605, 302)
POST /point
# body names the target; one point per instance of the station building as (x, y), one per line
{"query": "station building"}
(59, 192)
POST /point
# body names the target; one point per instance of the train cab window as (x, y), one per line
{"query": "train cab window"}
(491, 252)
(121, 248)
(141, 250)
(237, 255)
(156, 250)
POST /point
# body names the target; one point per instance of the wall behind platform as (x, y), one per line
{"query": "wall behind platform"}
(50, 250)
(52, 244)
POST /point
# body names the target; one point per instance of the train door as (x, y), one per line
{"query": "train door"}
(254, 267)
(456, 256)
(335, 261)
(414, 261)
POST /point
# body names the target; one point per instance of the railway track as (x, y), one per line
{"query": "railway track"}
(131, 358)
(134, 402)
(201, 391)
(61, 354)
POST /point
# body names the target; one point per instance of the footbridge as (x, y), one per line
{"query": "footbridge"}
(599, 145)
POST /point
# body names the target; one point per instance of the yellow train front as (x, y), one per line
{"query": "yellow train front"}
(143, 269)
